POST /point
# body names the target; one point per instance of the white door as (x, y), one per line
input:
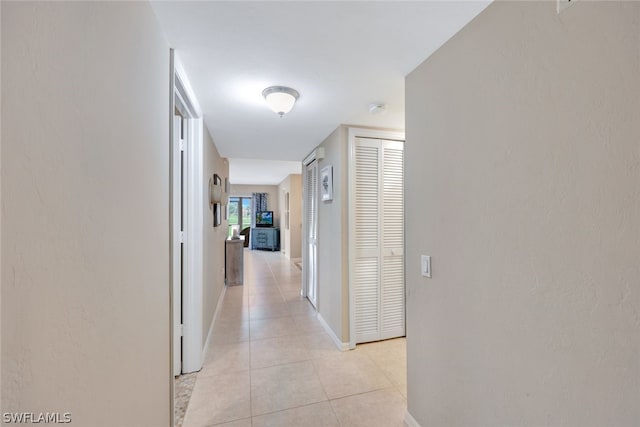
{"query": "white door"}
(311, 231)
(392, 283)
(377, 202)
(177, 243)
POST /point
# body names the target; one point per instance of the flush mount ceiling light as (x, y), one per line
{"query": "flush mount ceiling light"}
(280, 98)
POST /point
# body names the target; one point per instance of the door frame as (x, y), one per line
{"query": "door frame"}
(182, 98)
(353, 133)
(175, 248)
(316, 155)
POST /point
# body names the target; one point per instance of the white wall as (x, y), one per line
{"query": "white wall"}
(290, 240)
(523, 180)
(85, 218)
(214, 237)
(241, 190)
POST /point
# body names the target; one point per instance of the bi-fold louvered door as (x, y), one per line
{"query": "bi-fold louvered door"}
(378, 225)
(311, 230)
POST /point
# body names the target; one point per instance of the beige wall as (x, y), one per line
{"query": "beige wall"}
(85, 220)
(214, 237)
(523, 178)
(290, 240)
(1, 406)
(333, 289)
(239, 190)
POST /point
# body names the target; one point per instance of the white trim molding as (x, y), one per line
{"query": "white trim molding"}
(409, 420)
(193, 220)
(317, 154)
(194, 245)
(184, 90)
(342, 346)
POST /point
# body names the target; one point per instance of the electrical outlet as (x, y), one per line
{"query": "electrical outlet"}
(426, 265)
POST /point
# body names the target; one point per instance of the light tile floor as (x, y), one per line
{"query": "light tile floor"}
(271, 364)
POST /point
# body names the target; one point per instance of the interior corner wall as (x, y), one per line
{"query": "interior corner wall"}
(85, 214)
(523, 184)
(242, 190)
(214, 237)
(333, 289)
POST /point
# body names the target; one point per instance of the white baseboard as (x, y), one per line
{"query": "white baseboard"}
(213, 321)
(342, 346)
(409, 420)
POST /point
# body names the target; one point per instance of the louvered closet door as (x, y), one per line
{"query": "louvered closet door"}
(392, 275)
(311, 195)
(378, 270)
(367, 239)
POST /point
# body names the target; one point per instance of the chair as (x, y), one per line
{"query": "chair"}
(246, 232)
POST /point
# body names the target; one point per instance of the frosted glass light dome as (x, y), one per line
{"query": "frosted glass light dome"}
(280, 98)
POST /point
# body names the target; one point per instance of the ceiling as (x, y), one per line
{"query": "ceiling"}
(263, 172)
(340, 56)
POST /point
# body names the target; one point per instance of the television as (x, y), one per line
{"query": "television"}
(264, 219)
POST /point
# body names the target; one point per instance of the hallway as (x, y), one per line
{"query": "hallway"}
(270, 362)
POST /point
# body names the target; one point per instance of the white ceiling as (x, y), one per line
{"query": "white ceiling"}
(264, 172)
(340, 56)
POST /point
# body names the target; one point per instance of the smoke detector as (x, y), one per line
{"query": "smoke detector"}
(377, 108)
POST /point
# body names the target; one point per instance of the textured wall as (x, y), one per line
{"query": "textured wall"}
(85, 220)
(214, 237)
(333, 302)
(523, 184)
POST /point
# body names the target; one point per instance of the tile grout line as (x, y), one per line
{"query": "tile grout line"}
(377, 365)
(379, 368)
(276, 280)
(297, 339)
(295, 407)
(326, 394)
(250, 364)
(298, 333)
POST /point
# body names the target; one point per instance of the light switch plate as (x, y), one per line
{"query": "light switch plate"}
(426, 265)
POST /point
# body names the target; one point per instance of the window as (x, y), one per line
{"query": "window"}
(239, 213)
